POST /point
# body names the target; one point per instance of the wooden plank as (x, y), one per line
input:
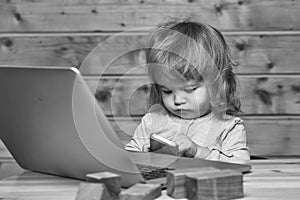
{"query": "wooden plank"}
(120, 96)
(270, 172)
(257, 184)
(273, 136)
(109, 53)
(95, 15)
(270, 94)
(265, 53)
(261, 94)
(267, 136)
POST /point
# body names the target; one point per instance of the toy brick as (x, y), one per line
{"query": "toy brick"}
(111, 180)
(223, 184)
(92, 191)
(141, 192)
(176, 180)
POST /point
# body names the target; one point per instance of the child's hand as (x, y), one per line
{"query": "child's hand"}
(186, 146)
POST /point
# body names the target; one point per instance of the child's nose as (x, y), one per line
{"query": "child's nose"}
(179, 99)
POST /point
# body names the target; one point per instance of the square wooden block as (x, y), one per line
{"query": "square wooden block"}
(176, 180)
(223, 184)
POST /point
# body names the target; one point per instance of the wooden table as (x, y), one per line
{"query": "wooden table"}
(269, 179)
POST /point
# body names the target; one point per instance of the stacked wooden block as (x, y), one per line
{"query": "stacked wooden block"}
(205, 183)
(107, 186)
(195, 184)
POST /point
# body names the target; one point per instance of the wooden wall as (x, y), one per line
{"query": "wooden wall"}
(264, 37)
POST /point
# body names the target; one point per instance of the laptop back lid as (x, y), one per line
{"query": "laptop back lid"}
(51, 123)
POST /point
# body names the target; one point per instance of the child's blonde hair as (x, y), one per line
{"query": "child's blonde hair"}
(193, 51)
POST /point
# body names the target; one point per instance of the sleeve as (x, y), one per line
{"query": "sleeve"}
(232, 145)
(141, 138)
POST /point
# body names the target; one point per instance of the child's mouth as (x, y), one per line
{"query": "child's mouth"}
(181, 110)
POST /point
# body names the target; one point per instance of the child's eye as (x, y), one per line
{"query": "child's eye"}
(166, 91)
(188, 90)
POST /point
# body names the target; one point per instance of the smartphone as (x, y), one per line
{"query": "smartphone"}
(159, 144)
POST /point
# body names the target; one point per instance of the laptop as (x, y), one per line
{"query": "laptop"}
(51, 123)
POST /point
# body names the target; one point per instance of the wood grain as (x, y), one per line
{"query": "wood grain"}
(112, 182)
(264, 37)
(177, 179)
(270, 179)
(88, 190)
(223, 184)
(262, 94)
(141, 191)
(109, 53)
(104, 15)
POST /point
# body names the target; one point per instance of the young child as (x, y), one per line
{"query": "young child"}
(193, 95)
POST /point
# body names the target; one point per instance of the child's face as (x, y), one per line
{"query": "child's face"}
(185, 99)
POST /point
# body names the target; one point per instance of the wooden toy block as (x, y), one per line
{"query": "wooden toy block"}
(112, 182)
(92, 191)
(223, 184)
(176, 180)
(141, 192)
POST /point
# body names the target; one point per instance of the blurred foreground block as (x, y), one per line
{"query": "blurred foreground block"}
(141, 192)
(92, 191)
(100, 186)
(110, 180)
